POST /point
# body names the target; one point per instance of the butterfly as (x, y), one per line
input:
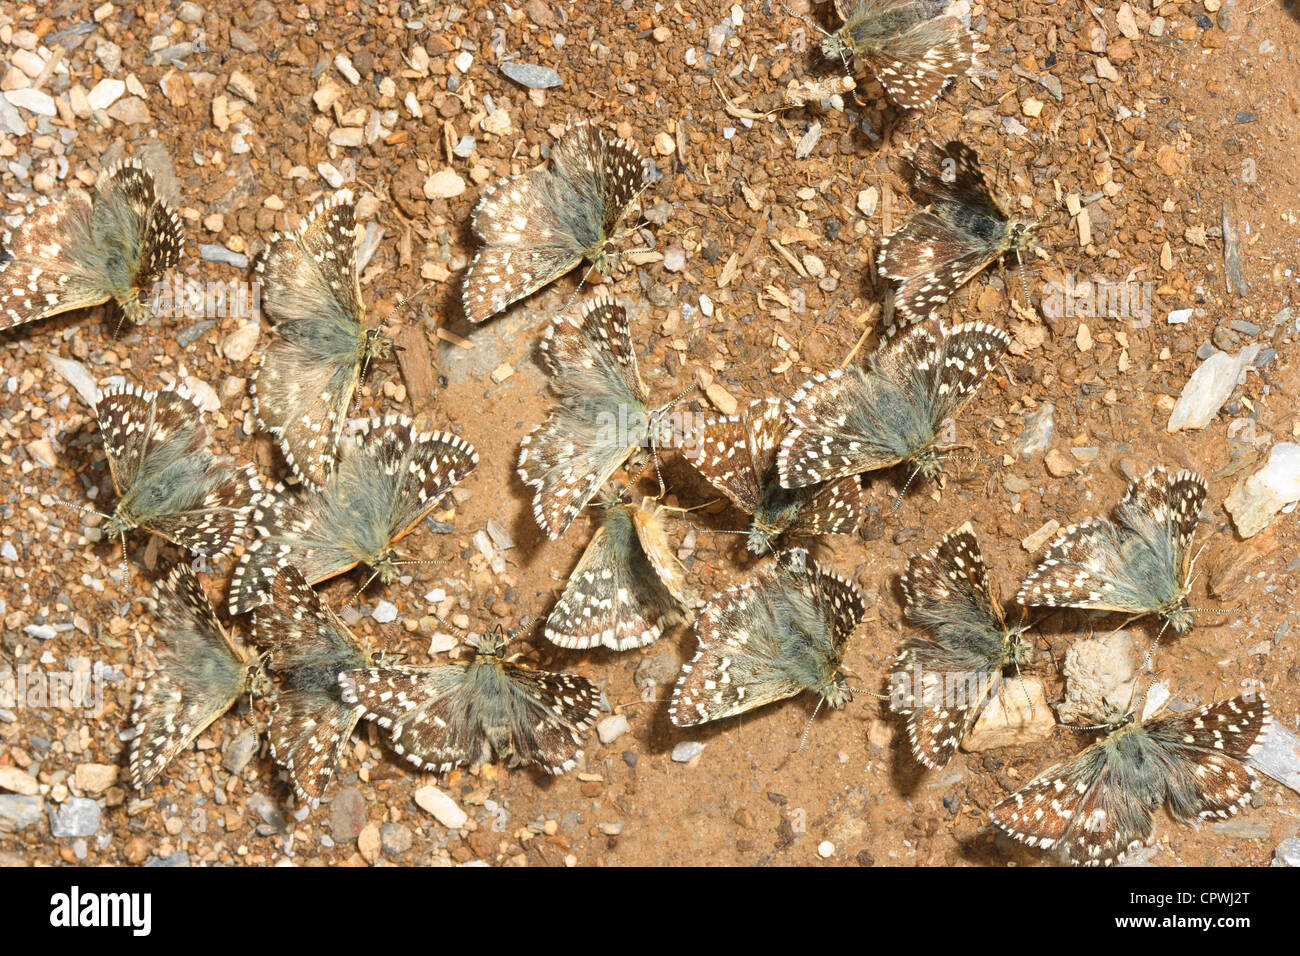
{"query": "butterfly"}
(477, 710)
(738, 457)
(201, 673)
(602, 418)
(944, 246)
(309, 647)
(1140, 563)
(912, 49)
(167, 480)
(1098, 805)
(389, 477)
(859, 419)
(769, 639)
(307, 376)
(82, 252)
(627, 588)
(943, 681)
(540, 225)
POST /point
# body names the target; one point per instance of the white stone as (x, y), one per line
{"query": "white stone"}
(1254, 503)
(34, 101)
(385, 612)
(609, 729)
(442, 807)
(1209, 387)
(1179, 316)
(240, 342)
(826, 849)
(105, 93)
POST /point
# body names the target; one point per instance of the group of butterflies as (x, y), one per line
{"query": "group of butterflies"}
(792, 466)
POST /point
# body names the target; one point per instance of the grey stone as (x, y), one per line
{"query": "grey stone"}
(531, 76)
(240, 750)
(1242, 829)
(1037, 433)
(213, 252)
(18, 812)
(1287, 853)
(1279, 758)
(268, 810)
(191, 334)
(78, 817)
(395, 838)
(109, 55)
(347, 815)
(1099, 677)
(179, 858)
(687, 750)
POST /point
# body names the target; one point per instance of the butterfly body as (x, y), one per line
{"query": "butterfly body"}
(1098, 805)
(860, 419)
(943, 246)
(201, 673)
(167, 481)
(540, 225)
(1138, 563)
(389, 477)
(768, 640)
(910, 46)
(308, 375)
(476, 711)
(82, 252)
(627, 588)
(603, 415)
(308, 648)
(942, 681)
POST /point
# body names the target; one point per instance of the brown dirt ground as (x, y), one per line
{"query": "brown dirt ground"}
(1176, 132)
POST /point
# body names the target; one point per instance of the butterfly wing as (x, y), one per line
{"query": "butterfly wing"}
(404, 471)
(223, 500)
(306, 378)
(952, 173)
(1086, 566)
(605, 176)
(51, 269)
(200, 673)
(720, 452)
(834, 431)
(1163, 509)
(427, 711)
(615, 596)
(547, 714)
(294, 528)
(915, 66)
(309, 648)
(1202, 752)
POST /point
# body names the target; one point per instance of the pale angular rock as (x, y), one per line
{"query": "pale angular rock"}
(105, 93)
(442, 807)
(444, 184)
(1209, 387)
(33, 101)
(1017, 714)
(1254, 502)
(1099, 676)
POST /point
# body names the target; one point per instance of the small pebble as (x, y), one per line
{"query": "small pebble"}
(530, 76)
(609, 729)
(687, 750)
(385, 612)
(826, 849)
(443, 808)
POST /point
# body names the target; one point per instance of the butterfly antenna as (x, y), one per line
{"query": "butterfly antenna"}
(84, 509)
(1151, 649)
(898, 501)
(808, 727)
(777, 388)
(458, 631)
(581, 283)
(353, 599)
